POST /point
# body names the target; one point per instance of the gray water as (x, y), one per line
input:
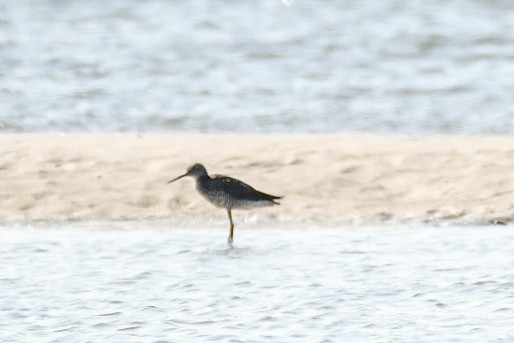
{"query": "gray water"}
(133, 284)
(386, 66)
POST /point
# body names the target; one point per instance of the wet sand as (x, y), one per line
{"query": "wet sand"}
(327, 179)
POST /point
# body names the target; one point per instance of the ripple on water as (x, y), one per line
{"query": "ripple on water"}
(296, 285)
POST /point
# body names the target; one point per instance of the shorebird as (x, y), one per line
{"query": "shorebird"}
(228, 193)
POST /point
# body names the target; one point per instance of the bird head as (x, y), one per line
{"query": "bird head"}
(196, 170)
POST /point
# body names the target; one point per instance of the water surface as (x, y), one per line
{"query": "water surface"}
(257, 66)
(276, 285)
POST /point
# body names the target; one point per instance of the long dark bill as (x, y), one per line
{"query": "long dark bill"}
(175, 179)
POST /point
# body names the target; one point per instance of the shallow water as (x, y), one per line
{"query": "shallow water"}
(257, 66)
(296, 285)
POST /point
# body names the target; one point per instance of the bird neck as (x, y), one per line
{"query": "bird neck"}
(203, 178)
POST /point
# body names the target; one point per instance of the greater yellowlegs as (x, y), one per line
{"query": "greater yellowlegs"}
(228, 193)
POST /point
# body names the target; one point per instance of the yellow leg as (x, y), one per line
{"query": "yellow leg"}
(231, 235)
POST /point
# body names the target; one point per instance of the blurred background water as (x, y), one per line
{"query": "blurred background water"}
(388, 66)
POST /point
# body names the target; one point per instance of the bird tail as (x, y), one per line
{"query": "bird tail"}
(272, 198)
(275, 197)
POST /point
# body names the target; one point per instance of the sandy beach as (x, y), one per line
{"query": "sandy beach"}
(327, 179)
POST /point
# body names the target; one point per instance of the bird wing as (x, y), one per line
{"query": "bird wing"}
(241, 190)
